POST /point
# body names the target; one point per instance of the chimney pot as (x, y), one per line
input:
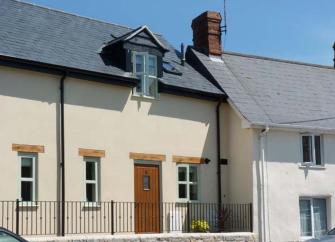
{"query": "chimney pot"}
(207, 33)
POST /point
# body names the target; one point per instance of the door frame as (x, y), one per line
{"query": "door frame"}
(152, 164)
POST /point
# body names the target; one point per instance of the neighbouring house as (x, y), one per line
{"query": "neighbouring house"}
(110, 129)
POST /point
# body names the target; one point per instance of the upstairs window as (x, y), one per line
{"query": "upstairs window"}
(145, 69)
(311, 149)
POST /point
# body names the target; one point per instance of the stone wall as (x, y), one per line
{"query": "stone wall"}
(222, 237)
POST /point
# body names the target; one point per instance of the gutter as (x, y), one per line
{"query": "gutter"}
(187, 92)
(73, 72)
(292, 127)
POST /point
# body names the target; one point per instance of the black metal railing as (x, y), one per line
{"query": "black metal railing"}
(44, 217)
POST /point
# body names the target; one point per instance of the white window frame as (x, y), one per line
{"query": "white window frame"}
(312, 215)
(313, 161)
(96, 182)
(32, 156)
(188, 182)
(145, 74)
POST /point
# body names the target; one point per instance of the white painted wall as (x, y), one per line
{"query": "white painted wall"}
(286, 181)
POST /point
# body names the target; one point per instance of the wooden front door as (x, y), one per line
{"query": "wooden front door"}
(147, 206)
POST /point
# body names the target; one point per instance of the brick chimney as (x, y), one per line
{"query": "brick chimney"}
(207, 33)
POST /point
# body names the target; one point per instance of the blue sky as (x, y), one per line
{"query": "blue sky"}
(302, 30)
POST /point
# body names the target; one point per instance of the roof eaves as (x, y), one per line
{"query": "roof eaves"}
(290, 127)
(183, 91)
(56, 69)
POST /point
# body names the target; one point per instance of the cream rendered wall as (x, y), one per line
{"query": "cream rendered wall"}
(287, 180)
(108, 117)
(28, 115)
(237, 146)
(100, 116)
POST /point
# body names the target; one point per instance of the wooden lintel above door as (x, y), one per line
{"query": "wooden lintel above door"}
(148, 157)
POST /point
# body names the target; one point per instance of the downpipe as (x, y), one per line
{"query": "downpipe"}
(62, 161)
(218, 145)
(264, 201)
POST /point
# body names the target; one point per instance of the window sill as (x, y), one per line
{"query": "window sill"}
(187, 201)
(306, 238)
(92, 205)
(28, 205)
(311, 166)
(139, 96)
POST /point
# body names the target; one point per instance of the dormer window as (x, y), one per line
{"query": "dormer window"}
(145, 69)
(141, 53)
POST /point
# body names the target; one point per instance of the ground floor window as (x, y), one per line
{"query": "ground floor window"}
(188, 182)
(313, 217)
(92, 170)
(28, 177)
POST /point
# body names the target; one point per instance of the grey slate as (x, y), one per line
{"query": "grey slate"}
(48, 36)
(276, 92)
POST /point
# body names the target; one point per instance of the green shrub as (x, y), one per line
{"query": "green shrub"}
(200, 226)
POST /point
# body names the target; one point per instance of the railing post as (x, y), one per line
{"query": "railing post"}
(17, 214)
(112, 217)
(188, 217)
(251, 217)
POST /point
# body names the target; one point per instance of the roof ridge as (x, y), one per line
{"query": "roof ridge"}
(278, 60)
(76, 15)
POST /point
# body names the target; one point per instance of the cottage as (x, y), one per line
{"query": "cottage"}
(108, 129)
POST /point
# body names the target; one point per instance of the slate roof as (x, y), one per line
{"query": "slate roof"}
(39, 34)
(276, 92)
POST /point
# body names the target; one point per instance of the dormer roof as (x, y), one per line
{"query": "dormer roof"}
(145, 35)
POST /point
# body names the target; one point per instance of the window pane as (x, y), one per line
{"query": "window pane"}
(182, 174)
(27, 191)
(139, 63)
(320, 217)
(193, 192)
(305, 218)
(151, 87)
(90, 171)
(307, 148)
(90, 192)
(317, 142)
(146, 183)
(182, 190)
(139, 86)
(193, 174)
(152, 66)
(26, 167)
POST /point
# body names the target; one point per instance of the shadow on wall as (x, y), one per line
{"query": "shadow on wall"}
(184, 108)
(29, 85)
(104, 96)
(45, 88)
(192, 110)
